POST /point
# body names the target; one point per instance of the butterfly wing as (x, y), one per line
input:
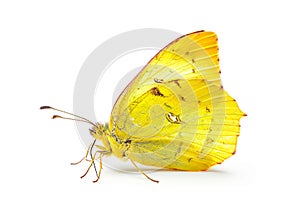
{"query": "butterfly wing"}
(175, 112)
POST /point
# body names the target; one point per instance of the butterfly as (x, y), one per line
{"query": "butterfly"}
(175, 114)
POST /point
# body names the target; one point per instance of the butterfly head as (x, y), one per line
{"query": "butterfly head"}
(99, 130)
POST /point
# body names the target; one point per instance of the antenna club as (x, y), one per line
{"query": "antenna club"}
(56, 116)
(82, 119)
(45, 107)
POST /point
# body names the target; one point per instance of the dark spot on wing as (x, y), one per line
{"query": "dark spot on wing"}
(177, 83)
(207, 109)
(182, 98)
(167, 105)
(155, 91)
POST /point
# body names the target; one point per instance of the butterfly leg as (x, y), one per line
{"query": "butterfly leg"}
(102, 153)
(142, 172)
(85, 157)
(91, 163)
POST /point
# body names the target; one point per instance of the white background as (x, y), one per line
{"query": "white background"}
(43, 45)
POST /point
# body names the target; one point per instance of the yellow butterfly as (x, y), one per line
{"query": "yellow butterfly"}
(175, 114)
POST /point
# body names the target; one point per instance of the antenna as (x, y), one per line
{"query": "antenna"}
(81, 119)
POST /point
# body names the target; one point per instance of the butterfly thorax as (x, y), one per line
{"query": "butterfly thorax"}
(111, 142)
